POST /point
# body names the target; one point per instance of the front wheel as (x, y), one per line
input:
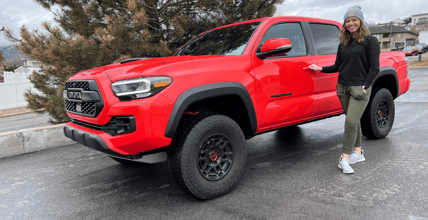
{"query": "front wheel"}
(208, 157)
(379, 115)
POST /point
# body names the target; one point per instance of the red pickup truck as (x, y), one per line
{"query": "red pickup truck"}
(197, 108)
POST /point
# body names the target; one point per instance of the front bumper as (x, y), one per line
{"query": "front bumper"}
(142, 132)
(93, 141)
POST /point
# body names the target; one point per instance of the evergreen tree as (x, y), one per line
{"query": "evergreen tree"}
(93, 33)
(2, 60)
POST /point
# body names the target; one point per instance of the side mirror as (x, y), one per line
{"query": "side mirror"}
(274, 47)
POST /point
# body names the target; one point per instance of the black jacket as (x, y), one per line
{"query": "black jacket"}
(357, 63)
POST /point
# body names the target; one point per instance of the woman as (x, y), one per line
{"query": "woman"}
(357, 62)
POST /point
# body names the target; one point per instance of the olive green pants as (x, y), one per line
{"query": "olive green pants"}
(354, 101)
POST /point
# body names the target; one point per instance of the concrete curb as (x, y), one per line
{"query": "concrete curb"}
(30, 140)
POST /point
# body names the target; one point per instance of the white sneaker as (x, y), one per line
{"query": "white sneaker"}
(344, 165)
(355, 157)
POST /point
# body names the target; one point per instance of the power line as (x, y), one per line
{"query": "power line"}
(6, 4)
(37, 18)
(22, 11)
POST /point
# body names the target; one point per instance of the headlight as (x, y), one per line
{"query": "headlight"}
(141, 87)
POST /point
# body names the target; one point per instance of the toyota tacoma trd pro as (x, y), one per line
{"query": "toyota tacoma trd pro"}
(196, 108)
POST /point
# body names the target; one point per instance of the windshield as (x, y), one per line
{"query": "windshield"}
(407, 48)
(224, 41)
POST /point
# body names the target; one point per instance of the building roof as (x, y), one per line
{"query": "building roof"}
(420, 14)
(386, 29)
(24, 57)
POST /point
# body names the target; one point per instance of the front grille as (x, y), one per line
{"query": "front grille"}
(89, 101)
(87, 108)
(77, 84)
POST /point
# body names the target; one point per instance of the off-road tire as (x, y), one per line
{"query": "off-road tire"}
(379, 115)
(186, 155)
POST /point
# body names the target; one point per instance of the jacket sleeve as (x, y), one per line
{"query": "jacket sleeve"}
(335, 67)
(373, 60)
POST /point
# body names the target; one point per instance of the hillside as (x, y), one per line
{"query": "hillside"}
(10, 53)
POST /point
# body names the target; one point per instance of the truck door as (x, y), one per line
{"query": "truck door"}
(286, 93)
(326, 42)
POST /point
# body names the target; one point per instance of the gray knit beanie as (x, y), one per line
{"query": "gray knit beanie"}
(354, 11)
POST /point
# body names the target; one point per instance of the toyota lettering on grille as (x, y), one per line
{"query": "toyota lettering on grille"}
(74, 95)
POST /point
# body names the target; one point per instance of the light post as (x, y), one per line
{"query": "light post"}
(390, 36)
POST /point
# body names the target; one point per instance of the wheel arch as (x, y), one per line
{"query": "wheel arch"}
(387, 78)
(211, 92)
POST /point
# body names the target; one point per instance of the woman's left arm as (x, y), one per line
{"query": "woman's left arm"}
(373, 60)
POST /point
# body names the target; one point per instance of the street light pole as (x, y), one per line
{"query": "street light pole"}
(390, 36)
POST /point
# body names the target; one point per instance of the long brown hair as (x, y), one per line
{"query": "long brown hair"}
(345, 36)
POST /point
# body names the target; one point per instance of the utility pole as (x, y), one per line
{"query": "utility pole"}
(390, 36)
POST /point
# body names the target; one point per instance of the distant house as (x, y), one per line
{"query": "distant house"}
(423, 37)
(29, 64)
(393, 37)
(420, 19)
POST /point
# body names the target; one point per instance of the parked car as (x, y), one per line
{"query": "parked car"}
(425, 45)
(410, 51)
(421, 48)
(197, 108)
(1, 78)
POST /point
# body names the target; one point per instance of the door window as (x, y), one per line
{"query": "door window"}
(292, 31)
(326, 38)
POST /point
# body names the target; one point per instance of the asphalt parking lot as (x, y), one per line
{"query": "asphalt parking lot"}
(290, 174)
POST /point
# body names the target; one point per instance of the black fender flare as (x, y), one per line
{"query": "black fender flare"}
(386, 71)
(202, 92)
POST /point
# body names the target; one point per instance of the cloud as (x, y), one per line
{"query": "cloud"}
(17, 13)
(378, 11)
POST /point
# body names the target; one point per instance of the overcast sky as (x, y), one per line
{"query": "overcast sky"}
(16, 13)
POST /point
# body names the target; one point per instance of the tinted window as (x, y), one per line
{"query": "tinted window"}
(326, 38)
(224, 41)
(292, 31)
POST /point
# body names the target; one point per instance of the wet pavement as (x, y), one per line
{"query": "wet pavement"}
(290, 174)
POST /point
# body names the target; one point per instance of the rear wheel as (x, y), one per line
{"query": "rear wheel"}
(208, 156)
(379, 115)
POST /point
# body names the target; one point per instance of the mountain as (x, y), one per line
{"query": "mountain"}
(11, 54)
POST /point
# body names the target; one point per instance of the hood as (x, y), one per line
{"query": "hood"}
(162, 66)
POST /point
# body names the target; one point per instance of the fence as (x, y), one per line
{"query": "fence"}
(12, 94)
(16, 76)
(12, 90)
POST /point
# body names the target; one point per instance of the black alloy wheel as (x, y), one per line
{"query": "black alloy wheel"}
(382, 114)
(215, 157)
